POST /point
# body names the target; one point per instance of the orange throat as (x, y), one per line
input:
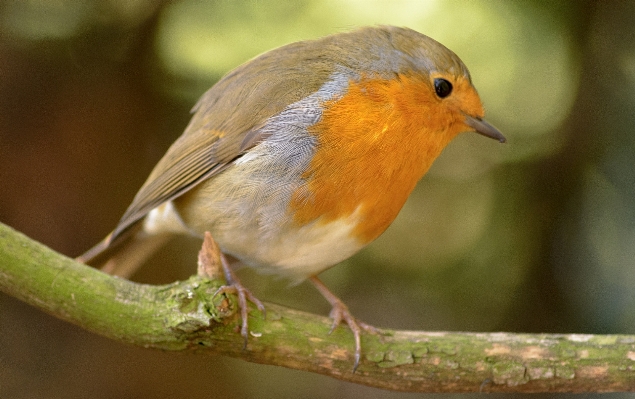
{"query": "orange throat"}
(374, 144)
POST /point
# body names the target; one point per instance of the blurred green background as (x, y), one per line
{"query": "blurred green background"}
(537, 235)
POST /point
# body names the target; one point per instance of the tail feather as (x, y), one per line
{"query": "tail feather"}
(95, 252)
(106, 247)
(126, 253)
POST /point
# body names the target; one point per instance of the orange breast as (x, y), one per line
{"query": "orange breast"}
(374, 144)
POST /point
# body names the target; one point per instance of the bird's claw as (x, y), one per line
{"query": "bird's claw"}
(340, 313)
(210, 258)
(243, 295)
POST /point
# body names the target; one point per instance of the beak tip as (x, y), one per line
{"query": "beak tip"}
(483, 127)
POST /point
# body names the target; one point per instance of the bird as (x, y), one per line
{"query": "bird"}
(297, 159)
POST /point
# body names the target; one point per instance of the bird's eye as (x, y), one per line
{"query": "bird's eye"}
(442, 87)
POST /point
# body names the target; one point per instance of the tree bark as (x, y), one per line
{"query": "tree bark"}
(187, 316)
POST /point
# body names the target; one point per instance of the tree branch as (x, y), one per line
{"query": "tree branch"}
(186, 316)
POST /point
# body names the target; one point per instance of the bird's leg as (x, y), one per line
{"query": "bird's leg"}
(339, 313)
(209, 258)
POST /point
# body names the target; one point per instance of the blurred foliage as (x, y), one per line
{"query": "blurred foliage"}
(536, 235)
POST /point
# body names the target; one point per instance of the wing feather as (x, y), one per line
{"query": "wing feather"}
(227, 121)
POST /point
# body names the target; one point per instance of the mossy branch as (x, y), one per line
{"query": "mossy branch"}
(185, 316)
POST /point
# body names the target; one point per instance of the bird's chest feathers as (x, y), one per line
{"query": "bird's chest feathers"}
(373, 144)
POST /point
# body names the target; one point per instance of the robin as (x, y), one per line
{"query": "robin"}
(299, 158)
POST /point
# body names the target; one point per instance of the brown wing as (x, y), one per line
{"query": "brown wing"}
(225, 125)
(190, 160)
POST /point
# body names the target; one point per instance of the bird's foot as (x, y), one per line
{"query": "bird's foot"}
(210, 258)
(339, 313)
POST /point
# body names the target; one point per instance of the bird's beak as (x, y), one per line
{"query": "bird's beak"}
(481, 126)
